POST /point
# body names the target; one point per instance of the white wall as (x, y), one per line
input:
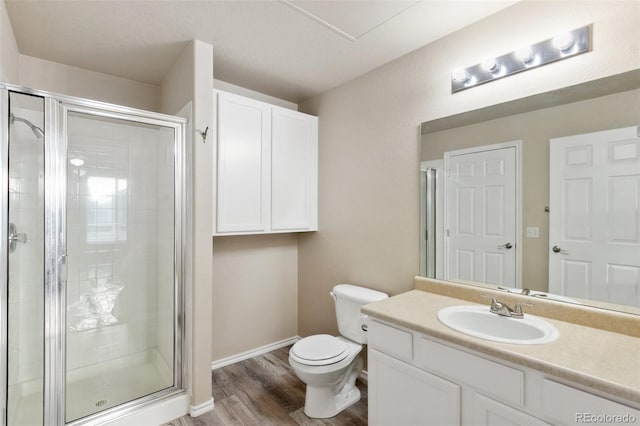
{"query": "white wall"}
(369, 139)
(189, 80)
(9, 55)
(255, 292)
(54, 77)
(247, 93)
(176, 89)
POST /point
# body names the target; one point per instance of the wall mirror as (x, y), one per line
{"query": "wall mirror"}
(539, 196)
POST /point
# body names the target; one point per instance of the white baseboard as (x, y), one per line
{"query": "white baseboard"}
(254, 352)
(200, 409)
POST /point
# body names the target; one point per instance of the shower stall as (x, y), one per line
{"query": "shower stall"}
(91, 284)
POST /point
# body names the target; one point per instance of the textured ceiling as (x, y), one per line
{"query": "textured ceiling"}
(292, 50)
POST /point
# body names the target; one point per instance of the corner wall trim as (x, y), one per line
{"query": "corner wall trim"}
(253, 352)
(198, 410)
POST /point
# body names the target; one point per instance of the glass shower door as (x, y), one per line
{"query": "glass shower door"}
(25, 259)
(120, 242)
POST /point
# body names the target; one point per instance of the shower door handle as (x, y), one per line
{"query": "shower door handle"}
(15, 237)
(62, 267)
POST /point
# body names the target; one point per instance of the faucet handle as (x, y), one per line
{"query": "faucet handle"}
(517, 310)
(495, 305)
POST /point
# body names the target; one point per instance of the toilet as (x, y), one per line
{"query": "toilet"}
(329, 365)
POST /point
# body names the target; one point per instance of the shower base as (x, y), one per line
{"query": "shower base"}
(95, 388)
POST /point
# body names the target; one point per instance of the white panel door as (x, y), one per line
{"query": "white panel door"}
(294, 163)
(594, 228)
(243, 164)
(481, 215)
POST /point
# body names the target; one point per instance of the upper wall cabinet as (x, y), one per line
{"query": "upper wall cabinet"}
(266, 178)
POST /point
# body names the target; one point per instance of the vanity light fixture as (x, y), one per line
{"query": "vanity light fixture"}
(490, 65)
(563, 42)
(525, 54)
(460, 74)
(560, 47)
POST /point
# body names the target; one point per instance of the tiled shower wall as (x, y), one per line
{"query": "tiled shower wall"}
(118, 232)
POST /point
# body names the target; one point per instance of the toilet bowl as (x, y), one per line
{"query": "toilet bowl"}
(329, 365)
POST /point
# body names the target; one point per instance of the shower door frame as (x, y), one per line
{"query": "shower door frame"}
(4, 249)
(56, 110)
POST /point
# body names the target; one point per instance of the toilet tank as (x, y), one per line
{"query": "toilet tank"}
(349, 299)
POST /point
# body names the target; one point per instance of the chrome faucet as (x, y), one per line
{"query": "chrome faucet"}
(501, 308)
(524, 291)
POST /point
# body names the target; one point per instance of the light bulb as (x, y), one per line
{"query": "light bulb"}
(460, 74)
(563, 41)
(76, 162)
(490, 65)
(524, 54)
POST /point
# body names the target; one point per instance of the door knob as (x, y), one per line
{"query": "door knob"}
(558, 249)
(507, 246)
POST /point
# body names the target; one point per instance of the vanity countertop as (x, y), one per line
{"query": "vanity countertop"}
(598, 359)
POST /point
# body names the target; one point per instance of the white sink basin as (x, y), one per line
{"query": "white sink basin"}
(478, 321)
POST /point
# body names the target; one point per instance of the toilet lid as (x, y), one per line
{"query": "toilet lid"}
(320, 348)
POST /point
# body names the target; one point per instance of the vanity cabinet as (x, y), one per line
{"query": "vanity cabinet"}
(488, 412)
(407, 396)
(416, 379)
(563, 405)
(266, 172)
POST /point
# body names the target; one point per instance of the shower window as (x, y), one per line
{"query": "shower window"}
(107, 211)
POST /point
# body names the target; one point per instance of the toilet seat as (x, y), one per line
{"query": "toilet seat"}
(320, 349)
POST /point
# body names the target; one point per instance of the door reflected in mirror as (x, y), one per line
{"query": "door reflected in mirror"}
(568, 208)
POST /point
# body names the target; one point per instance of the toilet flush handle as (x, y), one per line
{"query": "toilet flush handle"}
(363, 326)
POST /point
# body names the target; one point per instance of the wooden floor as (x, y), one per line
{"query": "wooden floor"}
(265, 391)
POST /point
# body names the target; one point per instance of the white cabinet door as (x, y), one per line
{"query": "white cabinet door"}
(400, 394)
(487, 412)
(294, 170)
(266, 168)
(565, 406)
(243, 166)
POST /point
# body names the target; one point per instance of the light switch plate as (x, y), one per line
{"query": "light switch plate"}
(533, 232)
